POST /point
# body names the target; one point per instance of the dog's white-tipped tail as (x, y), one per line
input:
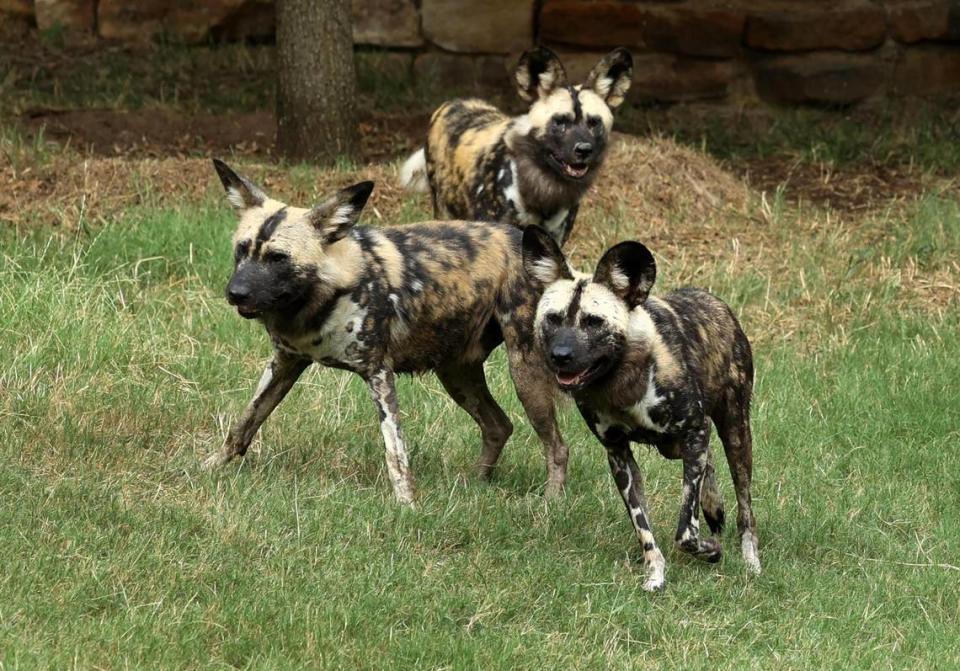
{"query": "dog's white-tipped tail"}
(413, 174)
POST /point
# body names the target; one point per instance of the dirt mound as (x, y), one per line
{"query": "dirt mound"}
(663, 193)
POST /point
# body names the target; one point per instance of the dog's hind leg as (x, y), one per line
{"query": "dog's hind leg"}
(734, 430)
(383, 390)
(278, 378)
(711, 500)
(629, 482)
(467, 385)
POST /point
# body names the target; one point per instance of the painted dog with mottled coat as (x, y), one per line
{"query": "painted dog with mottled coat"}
(435, 296)
(481, 164)
(655, 371)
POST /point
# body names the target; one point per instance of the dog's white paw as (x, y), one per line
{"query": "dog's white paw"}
(654, 584)
(656, 573)
(213, 461)
(751, 557)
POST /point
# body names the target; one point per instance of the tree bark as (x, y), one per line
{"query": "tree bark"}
(316, 96)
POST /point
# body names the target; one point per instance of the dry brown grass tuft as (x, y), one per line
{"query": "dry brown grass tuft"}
(71, 189)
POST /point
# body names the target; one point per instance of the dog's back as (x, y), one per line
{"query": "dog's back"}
(465, 147)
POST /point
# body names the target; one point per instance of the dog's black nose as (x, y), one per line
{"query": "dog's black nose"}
(561, 354)
(582, 150)
(237, 293)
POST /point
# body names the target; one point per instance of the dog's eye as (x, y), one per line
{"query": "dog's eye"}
(242, 249)
(591, 321)
(593, 122)
(554, 318)
(275, 256)
(560, 123)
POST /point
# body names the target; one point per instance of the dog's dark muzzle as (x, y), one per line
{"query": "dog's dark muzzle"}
(241, 294)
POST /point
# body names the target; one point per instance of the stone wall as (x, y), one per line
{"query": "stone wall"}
(830, 52)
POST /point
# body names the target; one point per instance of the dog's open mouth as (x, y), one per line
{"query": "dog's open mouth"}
(572, 170)
(572, 381)
(247, 313)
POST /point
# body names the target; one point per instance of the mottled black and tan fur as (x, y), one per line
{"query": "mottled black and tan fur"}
(483, 165)
(656, 371)
(436, 296)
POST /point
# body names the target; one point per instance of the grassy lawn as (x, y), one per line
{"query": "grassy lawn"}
(122, 366)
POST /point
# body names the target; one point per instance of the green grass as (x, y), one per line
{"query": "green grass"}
(908, 132)
(123, 366)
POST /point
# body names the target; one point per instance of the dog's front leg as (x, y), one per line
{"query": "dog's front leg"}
(383, 390)
(693, 451)
(629, 480)
(277, 379)
(537, 392)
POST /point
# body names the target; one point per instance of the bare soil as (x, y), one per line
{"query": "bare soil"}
(158, 133)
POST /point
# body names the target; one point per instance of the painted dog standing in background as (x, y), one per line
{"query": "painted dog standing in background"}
(434, 296)
(483, 165)
(656, 371)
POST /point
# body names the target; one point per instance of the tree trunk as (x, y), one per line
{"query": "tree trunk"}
(316, 96)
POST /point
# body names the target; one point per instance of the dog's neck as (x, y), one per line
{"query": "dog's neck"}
(623, 385)
(338, 274)
(544, 192)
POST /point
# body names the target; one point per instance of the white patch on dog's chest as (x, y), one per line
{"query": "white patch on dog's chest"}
(553, 224)
(337, 340)
(512, 193)
(640, 411)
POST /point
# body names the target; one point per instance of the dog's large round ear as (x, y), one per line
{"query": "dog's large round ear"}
(242, 193)
(628, 270)
(538, 73)
(610, 78)
(334, 217)
(542, 258)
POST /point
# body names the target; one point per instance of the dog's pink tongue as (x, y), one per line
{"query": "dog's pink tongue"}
(568, 379)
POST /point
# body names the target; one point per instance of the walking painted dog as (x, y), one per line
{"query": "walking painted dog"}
(656, 371)
(436, 296)
(483, 165)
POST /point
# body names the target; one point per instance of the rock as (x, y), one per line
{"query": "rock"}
(703, 29)
(663, 77)
(462, 72)
(255, 21)
(927, 70)
(828, 78)
(486, 26)
(851, 25)
(17, 9)
(695, 31)
(387, 23)
(188, 22)
(71, 16)
(669, 78)
(16, 18)
(915, 20)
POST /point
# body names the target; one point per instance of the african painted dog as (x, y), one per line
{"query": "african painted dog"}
(656, 371)
(483, 165)
(435, 296)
